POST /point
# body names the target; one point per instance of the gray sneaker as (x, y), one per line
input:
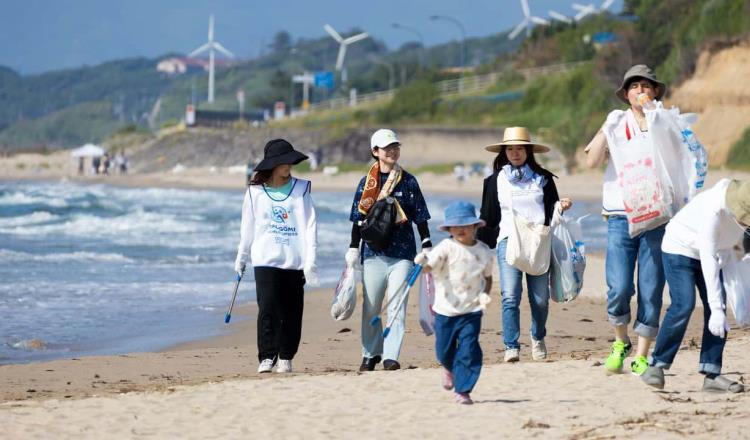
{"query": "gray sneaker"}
(511, 355)
(654, 376)
(722, 384)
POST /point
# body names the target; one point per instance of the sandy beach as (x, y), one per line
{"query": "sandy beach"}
(209, 387)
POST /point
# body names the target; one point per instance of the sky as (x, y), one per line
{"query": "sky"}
(43, 35)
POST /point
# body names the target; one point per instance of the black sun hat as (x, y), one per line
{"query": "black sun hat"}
(279, 152)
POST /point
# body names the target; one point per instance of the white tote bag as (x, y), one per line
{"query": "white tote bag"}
(529, 244)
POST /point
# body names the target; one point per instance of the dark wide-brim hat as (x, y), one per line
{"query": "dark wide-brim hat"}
(635, 72)
(279, 152)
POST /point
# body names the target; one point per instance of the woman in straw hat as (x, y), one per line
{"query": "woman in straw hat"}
(384, 269)
(278, 235)
(696, 239)
(518, 181)
(624, 252)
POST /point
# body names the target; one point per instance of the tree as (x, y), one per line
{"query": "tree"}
(282, 42)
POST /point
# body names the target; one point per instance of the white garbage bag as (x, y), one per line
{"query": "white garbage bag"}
(568, 258)
(426, 301)
(736, 274)
(345, 295)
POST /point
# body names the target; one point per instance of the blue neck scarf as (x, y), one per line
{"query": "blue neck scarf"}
(523, 174)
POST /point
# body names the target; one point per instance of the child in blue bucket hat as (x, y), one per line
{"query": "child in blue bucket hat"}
(462, 269)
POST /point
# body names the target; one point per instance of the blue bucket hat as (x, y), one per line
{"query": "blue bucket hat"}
(460, 214)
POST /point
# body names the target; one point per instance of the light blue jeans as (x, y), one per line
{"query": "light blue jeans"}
(511, 286)
(381, 274)
(623, 253)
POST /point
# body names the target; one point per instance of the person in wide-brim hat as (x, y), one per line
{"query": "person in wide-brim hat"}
(640, 71)
(517, 136)
(279, 152)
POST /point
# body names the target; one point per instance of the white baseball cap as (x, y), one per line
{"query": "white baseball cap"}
(382, 138)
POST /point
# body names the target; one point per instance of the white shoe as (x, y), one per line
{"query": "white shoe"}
(284, 366)
(511, 355)
(538, 350)
(266, 366)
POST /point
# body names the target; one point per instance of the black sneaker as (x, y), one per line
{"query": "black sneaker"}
(390, 365)
(368, 364)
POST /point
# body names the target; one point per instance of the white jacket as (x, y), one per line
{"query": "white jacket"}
(278, 233)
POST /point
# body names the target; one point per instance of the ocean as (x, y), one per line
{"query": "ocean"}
(98, 269)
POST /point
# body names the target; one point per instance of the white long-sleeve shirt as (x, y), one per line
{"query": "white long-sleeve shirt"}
(278, 232)
(703, 230)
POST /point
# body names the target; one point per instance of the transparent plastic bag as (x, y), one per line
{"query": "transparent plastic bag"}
(568, 258)
(426, 301)
(736, 274)
(345, 295)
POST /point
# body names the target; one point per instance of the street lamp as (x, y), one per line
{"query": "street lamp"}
(389, 66)
(463, 35)
(415, 32)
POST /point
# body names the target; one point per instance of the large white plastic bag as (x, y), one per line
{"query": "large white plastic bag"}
(345, 295)
(426, 301)
(681, 156)
(568, 259)
(648, 204)
(736, 275)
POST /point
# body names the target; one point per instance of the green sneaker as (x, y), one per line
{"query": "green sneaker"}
(639, 365)
(620, 350)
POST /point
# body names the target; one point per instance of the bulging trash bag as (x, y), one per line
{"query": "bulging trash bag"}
(426, 301)
(736, 274)
(345, 295)
(681, 156)
(568, 258)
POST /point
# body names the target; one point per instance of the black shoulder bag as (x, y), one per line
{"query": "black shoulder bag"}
(377, 227)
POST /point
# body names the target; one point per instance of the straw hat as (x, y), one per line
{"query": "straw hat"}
(516, 136)
(639, 71)
(738, 200)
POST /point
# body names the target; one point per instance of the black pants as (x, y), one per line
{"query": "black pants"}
(280, 302)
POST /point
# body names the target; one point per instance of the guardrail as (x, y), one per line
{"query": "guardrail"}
(467, 84)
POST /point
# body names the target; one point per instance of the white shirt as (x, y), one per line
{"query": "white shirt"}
(703, 230)
(459, 272)
(528, 202)
(280, 233)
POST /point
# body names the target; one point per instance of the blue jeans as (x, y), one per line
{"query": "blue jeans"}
(457, 348)
(622, 254)
(684, 275)
(381, 274)
(511, 284)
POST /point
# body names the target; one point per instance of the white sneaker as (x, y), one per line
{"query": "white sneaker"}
(538, 350)
(511, 355)
(284, 366)
(266, 366)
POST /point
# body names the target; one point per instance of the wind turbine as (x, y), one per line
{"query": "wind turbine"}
(211, 46)
(605, 5)
(527, 21)
(559, 17)
(343, 43)
(583, 10)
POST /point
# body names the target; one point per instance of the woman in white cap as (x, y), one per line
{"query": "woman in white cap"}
(278, 236)
(624, 252)
(695, 242)
(519, 186)
(389, 199)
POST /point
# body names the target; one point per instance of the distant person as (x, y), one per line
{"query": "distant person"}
(105, 164)
(95, 163)
(118, 162)
(462, 267)
(313, 160)
(278, 236)
(624, 252)
(519, 186)
(459, 172)
(709, 226)
(81, 165)
(389, 258)
(125, 164)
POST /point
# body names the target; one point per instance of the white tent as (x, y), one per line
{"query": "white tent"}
(88, 150)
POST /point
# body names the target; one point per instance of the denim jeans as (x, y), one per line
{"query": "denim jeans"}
(381, 274)
(684, 275)
(457, 348)
(622, 254)
(511, 280)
